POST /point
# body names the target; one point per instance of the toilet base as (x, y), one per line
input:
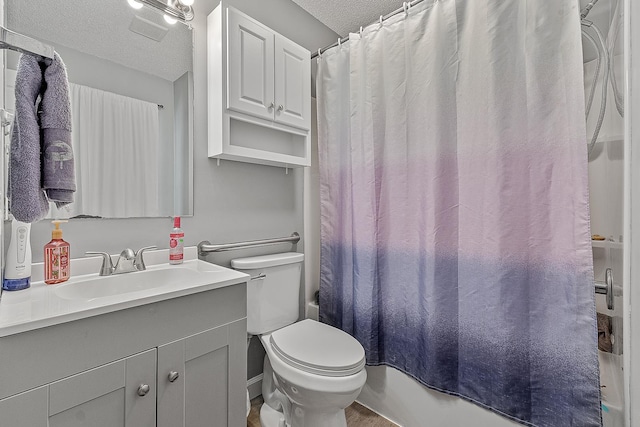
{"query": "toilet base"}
(269, 417)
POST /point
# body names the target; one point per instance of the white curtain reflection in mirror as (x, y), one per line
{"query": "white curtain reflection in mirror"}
(115, 143)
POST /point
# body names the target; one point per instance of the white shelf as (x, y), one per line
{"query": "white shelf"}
(606, 244)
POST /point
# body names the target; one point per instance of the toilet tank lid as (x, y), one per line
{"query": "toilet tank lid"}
(264, 261)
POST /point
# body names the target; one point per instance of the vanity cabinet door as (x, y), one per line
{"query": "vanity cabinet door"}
(202, 379)
(250, 66)
(293, 84)
(122, 393)
(107, 396)
(28, 409)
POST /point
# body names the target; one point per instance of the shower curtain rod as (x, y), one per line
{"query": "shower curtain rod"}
(405, 8)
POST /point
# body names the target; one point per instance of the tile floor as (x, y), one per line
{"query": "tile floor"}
(357, 416)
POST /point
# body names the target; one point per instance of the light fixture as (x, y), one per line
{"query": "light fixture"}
(135, 4)
(173, 10)
(169, 20)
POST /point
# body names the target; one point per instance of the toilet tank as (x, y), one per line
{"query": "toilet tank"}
(273, 290)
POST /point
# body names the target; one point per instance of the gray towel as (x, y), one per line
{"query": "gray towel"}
(41, 165)
(58, 177)
(28, 201)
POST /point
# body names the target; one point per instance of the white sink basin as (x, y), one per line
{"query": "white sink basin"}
(87, 294)
(155, 277)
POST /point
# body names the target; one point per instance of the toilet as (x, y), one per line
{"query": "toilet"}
(312, 371)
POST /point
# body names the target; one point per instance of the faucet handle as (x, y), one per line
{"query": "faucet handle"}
(139, 261)
(127, 254)
(107, 265)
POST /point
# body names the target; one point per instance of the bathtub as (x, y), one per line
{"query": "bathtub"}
(612, 387)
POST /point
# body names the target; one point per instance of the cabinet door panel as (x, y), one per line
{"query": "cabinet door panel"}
(206, 389)
(104, 411)
(171, 393)
(140, 411)
(209, 390)
(250, 66)
(107, 396)
(293, 84)
(78, 389)
(27, 409)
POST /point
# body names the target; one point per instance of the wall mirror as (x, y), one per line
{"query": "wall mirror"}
(131, 90)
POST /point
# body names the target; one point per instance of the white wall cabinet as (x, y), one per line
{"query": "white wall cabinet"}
(259, 92)
(250, 54)
(196, 380)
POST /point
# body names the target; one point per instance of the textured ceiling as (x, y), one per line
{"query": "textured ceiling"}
(101, 28)
(346, 17)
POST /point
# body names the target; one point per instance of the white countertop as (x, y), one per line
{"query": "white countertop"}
(44, 305)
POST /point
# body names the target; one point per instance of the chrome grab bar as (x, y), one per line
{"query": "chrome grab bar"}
(606, 288)
(206, 247)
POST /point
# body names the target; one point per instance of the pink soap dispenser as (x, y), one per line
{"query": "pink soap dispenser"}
(57, 257)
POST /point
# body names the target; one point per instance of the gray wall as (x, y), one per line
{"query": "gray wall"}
(232, 202)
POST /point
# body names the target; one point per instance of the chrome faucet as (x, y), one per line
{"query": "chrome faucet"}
(128, 261)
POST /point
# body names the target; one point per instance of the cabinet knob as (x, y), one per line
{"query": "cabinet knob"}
(271, 106)
(143, 389)
(280, 107)
(173, 375)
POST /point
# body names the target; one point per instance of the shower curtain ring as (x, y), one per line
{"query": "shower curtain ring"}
(404, 6)
(319, 53)
(381, 20)
(361, 30)
(339, 42)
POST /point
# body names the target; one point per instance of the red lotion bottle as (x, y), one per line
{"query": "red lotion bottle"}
(57, 257)
(176, 243)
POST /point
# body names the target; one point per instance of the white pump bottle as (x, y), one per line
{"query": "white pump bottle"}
(17, 271)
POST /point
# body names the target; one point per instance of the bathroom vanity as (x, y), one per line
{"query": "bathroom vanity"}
(171, 355)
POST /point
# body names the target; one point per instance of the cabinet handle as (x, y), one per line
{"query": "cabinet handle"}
(143, 389)
(173, 375)
(280, 107)
(271, 106)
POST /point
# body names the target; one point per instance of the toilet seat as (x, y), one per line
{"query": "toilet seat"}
(318, 349)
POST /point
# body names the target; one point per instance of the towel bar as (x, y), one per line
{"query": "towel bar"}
(21, 43)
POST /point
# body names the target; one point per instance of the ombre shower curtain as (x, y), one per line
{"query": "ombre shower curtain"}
(454, 204)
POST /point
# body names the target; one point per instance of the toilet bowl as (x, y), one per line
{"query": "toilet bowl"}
(320, 369)
(312, 371)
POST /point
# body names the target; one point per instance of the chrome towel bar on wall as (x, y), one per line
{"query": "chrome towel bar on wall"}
(206, 247)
